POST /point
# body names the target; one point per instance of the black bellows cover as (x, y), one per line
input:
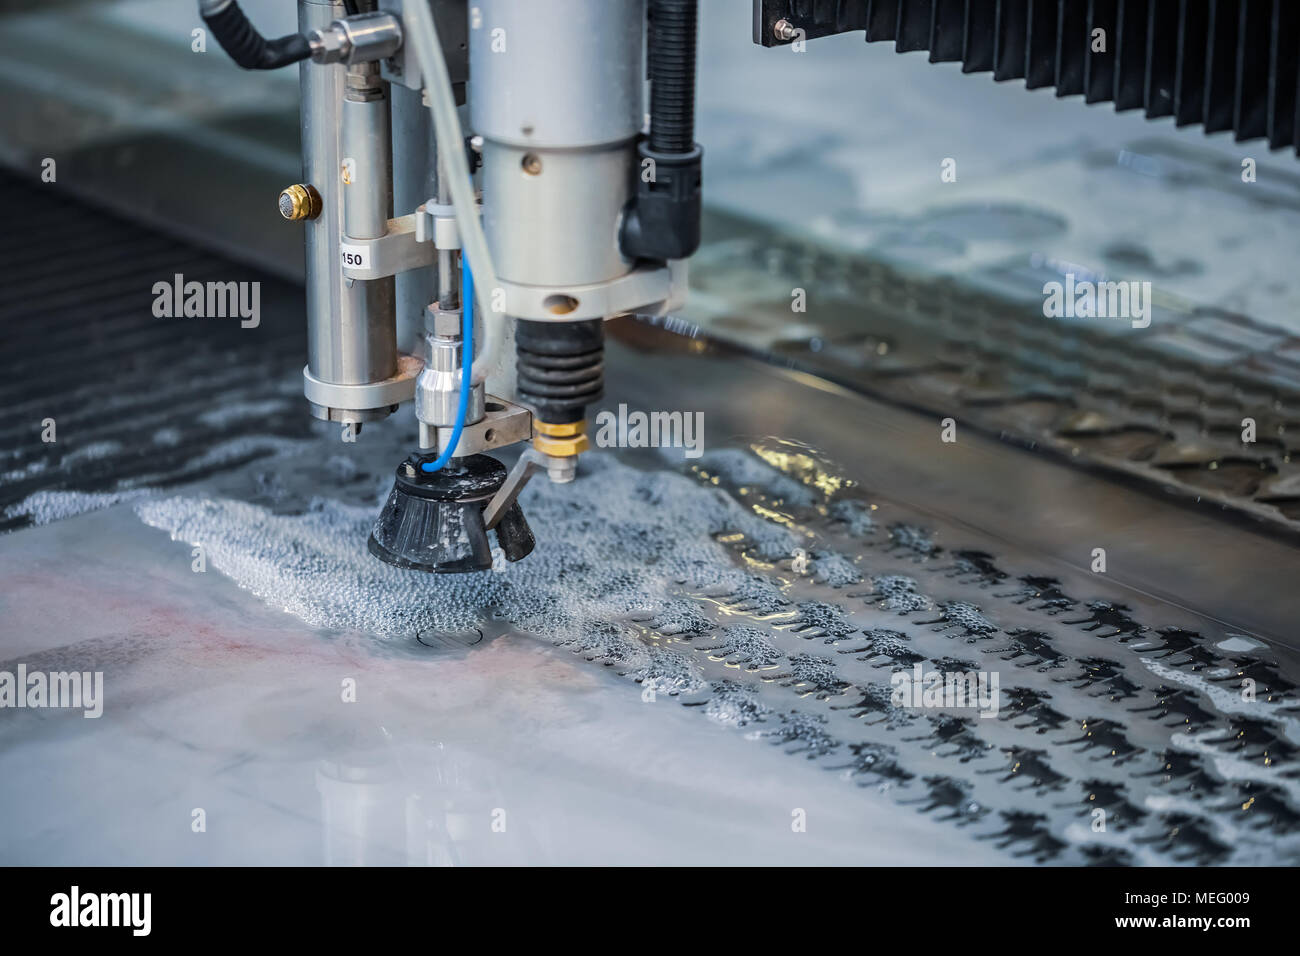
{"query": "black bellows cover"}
(1223, 64)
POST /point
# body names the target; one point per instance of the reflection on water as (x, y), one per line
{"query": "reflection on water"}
(432, 806)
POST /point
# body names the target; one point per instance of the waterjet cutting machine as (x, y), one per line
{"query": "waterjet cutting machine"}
(483, 304)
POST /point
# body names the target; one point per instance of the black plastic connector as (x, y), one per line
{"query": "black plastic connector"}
(248, 48)
(663, 219)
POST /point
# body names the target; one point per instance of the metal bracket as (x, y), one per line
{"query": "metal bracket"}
(529, 462)
(436, 223)
(452, 18)
(646, 290)
(399, 388)
(396, 251)
(503, 423)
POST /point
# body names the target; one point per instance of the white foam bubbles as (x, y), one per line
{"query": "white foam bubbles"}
(619, 544)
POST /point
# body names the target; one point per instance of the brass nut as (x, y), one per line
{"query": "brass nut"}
(300, 202)
(560, 439)
(560, 430)
(561, 447)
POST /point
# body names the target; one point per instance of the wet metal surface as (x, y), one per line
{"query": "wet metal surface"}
(1202, 403)
(831, 544)
(779, 680)
(644, 716)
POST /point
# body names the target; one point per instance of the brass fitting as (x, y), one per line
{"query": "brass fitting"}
(299, 202)
(560, 440)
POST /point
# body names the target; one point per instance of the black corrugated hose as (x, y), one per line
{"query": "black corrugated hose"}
(662, 221)
(671, 52)
(240, 39)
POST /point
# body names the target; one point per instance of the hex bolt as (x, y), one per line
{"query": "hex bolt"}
(784, 30)
(561, 471)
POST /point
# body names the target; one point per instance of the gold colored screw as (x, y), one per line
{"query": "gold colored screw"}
(300, 202)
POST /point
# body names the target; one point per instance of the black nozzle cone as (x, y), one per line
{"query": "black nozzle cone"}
(433, 521)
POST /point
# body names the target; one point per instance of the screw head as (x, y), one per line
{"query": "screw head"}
(299, 202)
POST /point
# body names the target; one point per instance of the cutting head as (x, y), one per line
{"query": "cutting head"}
(433, 521)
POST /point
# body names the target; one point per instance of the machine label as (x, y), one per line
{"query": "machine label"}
(355, 257)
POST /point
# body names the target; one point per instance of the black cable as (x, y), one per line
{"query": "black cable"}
(248, 48)
(663, 220)
(671, 54)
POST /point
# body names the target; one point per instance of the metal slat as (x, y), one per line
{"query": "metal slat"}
(978, 39)
(1130, 54)
(1162, 57)
(882, 20)
(1221, 65)
(851, 15)
(913, 29)
(947, 33)
(1283, 73)
(1250, 105)
(824, 10)
(1099, 66)
(1009, 39)
(1040, 45)
(1071, 46)
(1189, 71)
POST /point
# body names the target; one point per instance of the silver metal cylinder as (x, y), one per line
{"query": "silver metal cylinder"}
(556, 225)
(437, 392)
(351, 340)
(556, 93)
(414, 182)
(364, 37)
(367, 169)
(561, 74)
(449, 278)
